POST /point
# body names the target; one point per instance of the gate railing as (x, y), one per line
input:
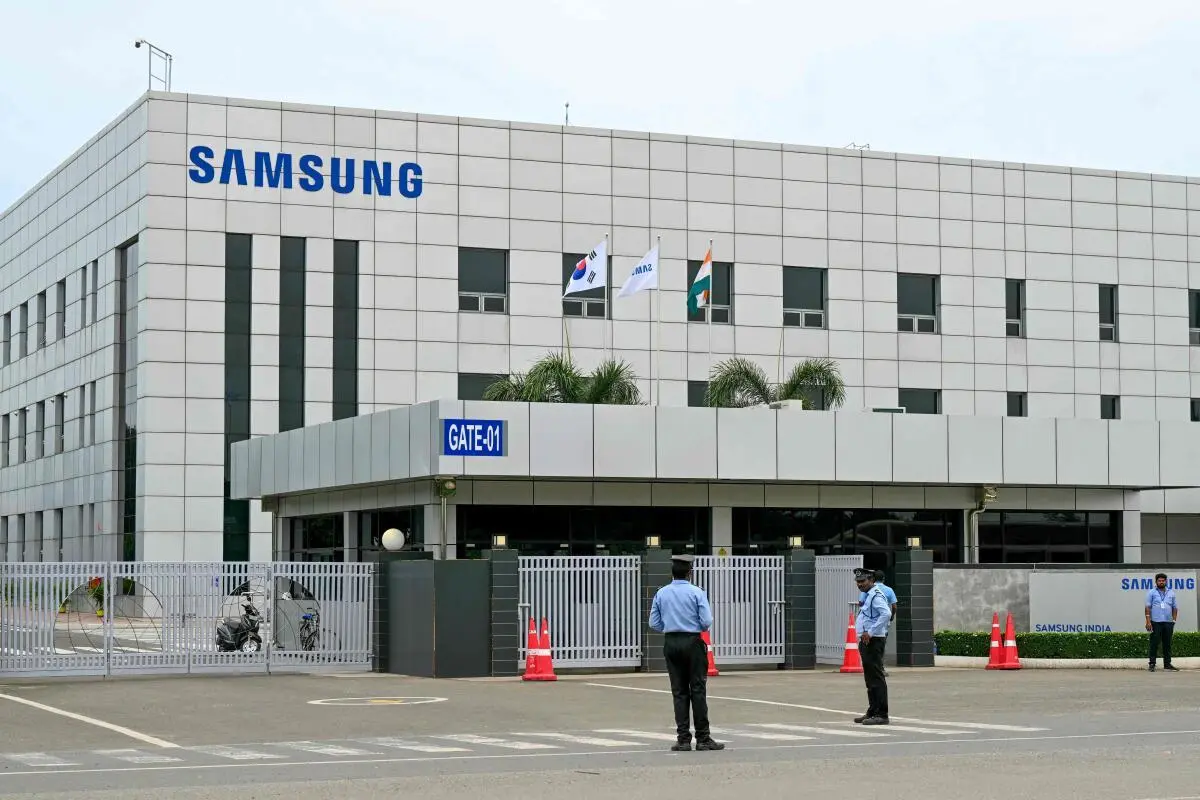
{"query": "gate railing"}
(747, 598)
(106, 618)
(835, 592)
(591, 604)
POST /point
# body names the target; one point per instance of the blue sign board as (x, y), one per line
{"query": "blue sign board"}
(473, 437)
(308, 171)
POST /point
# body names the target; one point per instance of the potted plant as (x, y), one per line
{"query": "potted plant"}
(95, 590)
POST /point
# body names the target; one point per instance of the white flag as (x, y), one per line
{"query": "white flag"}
(591, 272)
(643, 276)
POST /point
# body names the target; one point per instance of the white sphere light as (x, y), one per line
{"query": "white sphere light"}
(392, 539)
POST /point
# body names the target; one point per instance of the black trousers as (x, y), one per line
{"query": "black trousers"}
(687, 664)
(872, 661)
(1161, 631)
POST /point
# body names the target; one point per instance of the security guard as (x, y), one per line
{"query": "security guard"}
(681, 611)
(874, 617)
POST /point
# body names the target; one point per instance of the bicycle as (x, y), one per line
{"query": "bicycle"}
(310, 631)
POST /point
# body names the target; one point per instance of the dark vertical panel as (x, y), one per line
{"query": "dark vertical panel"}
(345, 329)
(292, 302)
(127, 394)
(236, 544)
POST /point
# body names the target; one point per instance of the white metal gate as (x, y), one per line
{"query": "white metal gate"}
(835, 592)
(108, 618)
(746, 595)
(591, 604)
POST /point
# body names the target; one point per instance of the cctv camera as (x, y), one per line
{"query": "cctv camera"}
(138, 43)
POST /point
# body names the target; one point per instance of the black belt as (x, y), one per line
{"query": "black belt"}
(681, 633)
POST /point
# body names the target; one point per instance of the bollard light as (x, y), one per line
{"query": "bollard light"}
(914, 543)
(499, 541)
(652, 541)
(796, 542)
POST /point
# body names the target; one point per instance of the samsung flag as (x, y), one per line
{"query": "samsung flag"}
(643, 276)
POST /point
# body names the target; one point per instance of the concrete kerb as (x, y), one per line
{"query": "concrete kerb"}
(973, 662)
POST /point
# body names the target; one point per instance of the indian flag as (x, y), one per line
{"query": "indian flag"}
(701, 290)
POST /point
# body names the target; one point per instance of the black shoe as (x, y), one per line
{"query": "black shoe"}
(876, 721)
(709, 744)
(1152, 668)
(681, 747)
(864, 717)
(1170, 668)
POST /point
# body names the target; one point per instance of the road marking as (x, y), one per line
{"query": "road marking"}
(658, 737)
(935, 731)
(325, 765)
(99, 723)
(405, 744)
(326, 749)
(975, 725)
(137, 756)
(376, 701)
(591, 741)
(470, 738)
(235, 753)
(856, 734)
(39, 760)
(773, 737)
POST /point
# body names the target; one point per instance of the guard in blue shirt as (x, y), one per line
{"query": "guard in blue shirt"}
(887, 593)
(874, 617)
(681, 611)
(1161, 612)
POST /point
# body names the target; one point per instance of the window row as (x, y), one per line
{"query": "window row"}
(42, 320)
(49, 437)
(40, 536)
(483, 280)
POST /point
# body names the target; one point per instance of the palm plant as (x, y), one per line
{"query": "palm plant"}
(739, 382)
(556, 379)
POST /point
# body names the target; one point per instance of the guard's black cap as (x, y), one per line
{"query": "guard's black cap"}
(863, 574)
(686, 558)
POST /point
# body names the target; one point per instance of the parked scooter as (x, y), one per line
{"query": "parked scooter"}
(240, 634)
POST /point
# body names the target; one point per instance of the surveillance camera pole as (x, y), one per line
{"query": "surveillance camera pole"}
(167, 61)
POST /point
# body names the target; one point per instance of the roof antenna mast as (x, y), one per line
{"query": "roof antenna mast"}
(567, 120)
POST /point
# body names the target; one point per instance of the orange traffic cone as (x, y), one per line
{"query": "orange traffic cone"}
(545, 664)
(996, 651)
(712, 664)
(531, 653)
(852, 662)
(1010, 658)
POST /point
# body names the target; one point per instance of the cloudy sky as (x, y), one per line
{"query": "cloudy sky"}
(1107, 84)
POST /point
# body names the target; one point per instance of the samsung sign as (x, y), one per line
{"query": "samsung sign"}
(1063, 601)
(305, 171)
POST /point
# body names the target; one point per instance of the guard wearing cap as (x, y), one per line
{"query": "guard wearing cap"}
(874, 617)
(681, 611)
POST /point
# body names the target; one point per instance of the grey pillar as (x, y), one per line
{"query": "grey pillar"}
(800, 610)
(506, 628)
(656, 573)
(381, 611)
(914, 593)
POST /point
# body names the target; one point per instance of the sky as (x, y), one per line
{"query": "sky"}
(1104, 84)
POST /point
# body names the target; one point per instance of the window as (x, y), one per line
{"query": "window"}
(1016, 404)
(1014, 309)
(39, 429)
(292, 268)
(5, 432)
(22, 434)
(39, 325)
(804, 297)
(1110, 406)
(125, 395)
(696, 392)
(472, 385)
(1194, 317)
(94, 294)
(239, 248)
(60, 310)
(83, 295)
(92, 414)
(23, 327)
(721, 296)
(60, 403)
(1108, 314)
(589, 303)
(6, 340)
(920, 401)
(1064, 537)
(345, 329)
(483, 280)
(1195, 413)
(916, 303)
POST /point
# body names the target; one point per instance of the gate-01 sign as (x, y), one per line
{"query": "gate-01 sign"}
(473, 437)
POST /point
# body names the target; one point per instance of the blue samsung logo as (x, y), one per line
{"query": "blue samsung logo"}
(280, 170)
(1146, 584)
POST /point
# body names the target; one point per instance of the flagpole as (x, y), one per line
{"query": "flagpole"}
(658, 323)
(712, 280)
(608, 309)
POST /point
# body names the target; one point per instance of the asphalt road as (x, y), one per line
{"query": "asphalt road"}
(1097, 734)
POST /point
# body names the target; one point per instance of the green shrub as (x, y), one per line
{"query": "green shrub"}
(1066, 645)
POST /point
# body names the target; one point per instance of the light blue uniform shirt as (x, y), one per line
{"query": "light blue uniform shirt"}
(1161, 604)
(680, 607)
(874, 614)
(887, 593)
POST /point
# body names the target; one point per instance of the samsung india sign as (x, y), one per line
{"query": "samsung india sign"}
(1070, 601)
(307, 172)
